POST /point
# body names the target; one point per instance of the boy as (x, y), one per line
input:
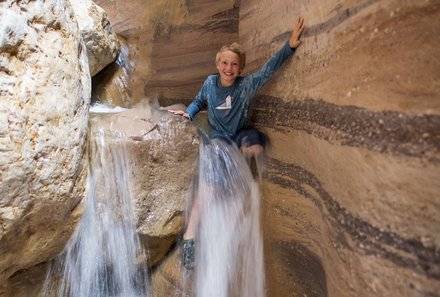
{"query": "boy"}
(227, 96)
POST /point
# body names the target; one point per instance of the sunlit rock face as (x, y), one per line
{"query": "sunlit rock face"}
(45, 95)
(351, 202)
(101, 41)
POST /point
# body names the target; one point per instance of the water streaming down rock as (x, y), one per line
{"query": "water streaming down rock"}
(229, 251)
(104, 257)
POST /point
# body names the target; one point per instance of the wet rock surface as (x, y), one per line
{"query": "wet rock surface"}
(163, 152)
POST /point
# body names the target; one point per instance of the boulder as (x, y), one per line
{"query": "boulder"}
(163, 151)
(100, 39)
(45, 87)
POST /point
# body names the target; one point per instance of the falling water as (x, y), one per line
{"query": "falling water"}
(229, 251)
(104, 257)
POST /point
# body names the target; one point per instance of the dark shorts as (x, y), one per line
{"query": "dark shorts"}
(249, 137)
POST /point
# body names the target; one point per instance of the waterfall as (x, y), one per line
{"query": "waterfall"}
(104, 257)
(229, 248)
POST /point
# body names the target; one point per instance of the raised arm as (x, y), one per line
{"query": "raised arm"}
(298, 28)
(261, 76)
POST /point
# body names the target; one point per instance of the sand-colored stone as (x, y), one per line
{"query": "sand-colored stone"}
(171, 279)
(354, 154)
(350, 203)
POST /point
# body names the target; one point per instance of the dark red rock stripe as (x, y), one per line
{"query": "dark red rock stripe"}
(386, 132)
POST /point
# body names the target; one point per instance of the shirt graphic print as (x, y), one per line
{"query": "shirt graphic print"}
(227, 104)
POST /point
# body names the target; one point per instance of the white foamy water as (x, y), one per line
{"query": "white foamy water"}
(229, 250)
(102, 108)
(104, 257)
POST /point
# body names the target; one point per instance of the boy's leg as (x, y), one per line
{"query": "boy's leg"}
(193, 221)
(252, 151)
(251, 142)
(188, 243)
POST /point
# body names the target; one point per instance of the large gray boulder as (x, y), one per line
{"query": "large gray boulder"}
(45, 91)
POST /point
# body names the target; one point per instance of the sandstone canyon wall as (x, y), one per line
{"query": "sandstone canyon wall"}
(350, 192)
(170, 45)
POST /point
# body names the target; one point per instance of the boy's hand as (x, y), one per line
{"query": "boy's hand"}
(181, 113)
(294, 40)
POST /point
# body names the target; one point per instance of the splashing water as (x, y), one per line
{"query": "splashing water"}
(229, 251)
(104, 257)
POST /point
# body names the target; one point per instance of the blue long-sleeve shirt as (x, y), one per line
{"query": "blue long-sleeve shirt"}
(226, 119)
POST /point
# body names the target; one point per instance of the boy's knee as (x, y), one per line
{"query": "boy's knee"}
(250, 140)
(253, 150)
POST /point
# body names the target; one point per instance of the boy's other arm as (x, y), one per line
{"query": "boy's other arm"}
(197, 105)
(180, 113)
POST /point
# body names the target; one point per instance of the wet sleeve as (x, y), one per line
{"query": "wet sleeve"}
(261, 76)
(199, 103)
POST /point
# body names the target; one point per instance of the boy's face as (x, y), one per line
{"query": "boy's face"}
(228, 67)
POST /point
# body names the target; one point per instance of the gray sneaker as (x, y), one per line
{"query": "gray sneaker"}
(188, 253)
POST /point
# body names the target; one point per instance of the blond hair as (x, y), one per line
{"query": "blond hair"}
(235, 48)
